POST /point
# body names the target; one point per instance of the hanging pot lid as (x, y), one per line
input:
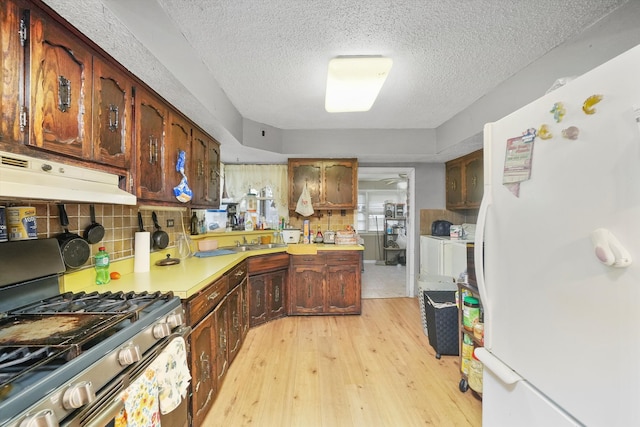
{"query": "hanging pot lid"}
(168, 261)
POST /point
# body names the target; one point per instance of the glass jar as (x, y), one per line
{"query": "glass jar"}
(470, 313)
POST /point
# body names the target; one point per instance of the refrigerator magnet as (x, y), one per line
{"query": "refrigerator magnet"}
(588, 104)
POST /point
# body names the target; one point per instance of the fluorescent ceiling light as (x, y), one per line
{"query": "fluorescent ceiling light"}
(353, 82)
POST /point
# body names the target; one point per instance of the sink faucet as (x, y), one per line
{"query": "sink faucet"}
(244, 240)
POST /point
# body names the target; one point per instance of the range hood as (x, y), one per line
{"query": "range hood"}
(25, 177)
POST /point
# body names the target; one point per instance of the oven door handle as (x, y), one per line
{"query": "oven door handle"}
(109, 413)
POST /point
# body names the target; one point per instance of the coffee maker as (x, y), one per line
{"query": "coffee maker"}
(232, 215)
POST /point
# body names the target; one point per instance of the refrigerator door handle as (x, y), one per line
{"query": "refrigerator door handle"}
(503, 372)
(609, 250)
(478, 253)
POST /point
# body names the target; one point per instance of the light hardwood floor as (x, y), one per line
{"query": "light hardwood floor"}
(376, 369)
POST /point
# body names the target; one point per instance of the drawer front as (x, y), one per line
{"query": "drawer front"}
(198, 307)
(343, 257)
(266, 263)
(318, 259)
(237, 274)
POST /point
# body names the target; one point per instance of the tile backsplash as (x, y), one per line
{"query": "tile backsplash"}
(120, 223)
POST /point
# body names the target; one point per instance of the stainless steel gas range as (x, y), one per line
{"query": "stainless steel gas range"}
(66, 359)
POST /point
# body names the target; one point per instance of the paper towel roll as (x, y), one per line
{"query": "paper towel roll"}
(142, 252)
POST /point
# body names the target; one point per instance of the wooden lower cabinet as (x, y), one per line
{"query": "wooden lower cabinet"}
(344, 288)
(267, 287)
(234, 323)
(204, 385)
(221, 314)
(218, 316)
(266, 300)
(325, 283)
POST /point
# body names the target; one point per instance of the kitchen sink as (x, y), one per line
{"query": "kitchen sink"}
(254, 247)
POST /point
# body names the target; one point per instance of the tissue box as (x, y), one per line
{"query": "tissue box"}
(215, 220)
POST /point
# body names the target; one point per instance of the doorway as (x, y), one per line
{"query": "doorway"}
(386, 180)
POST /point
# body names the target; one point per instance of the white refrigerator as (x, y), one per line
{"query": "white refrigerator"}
(559, 275)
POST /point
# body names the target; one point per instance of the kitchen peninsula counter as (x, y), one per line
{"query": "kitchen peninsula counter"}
(185, 279)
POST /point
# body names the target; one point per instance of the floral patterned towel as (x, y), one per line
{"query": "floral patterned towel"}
(173, 375)
(141, 407)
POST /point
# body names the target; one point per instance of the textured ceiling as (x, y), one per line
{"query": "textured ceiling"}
(270, 57)
(236, 66)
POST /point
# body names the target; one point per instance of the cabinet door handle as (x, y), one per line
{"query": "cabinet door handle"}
(64, 94)
(258, 298)
(277, 294)
(205, 367)
(343, 289)
(309, 291)
(213, 296)
(113, 117)
(239, 273)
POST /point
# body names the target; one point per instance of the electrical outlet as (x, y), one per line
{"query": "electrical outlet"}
(169, 223)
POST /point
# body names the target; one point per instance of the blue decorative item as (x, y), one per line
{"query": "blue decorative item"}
(182, 191)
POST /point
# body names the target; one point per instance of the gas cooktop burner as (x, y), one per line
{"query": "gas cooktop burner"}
(107, 302)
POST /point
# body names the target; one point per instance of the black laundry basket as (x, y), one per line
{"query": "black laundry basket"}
(442, 322)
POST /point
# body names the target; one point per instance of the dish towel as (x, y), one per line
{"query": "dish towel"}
(141, 408)
(173, 375)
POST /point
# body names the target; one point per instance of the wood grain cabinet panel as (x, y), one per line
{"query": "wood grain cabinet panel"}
(13, 33)
(204, 384)
(205, 167)
(61, 76)
(332, 183)
(112, 119)
(151, 129)
(325, 283)
(465, 181)
(267, 287)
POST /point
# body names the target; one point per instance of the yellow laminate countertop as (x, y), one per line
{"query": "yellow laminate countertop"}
(185, 279)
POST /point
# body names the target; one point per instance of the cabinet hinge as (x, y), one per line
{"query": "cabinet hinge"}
(22, 32)
(23, 119)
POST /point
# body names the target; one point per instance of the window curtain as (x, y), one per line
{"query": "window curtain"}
(239, 179)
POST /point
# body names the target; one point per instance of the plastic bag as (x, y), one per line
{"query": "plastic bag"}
(401, 240)
(182, 191)
(304, 206)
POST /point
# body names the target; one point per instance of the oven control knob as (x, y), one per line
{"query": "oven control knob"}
(44, 418)
(78, 395)
(161, 330)
(174, 320)
(129, 355)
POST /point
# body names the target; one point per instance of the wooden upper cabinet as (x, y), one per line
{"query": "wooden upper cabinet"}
(61, 71)
(205, 167)
(454, 185)
(465, 181)
(152, 119)
(13, 32)
(332, 183)
(340, 184)
(112, 125)
(304, 173)
(179, 139)
(474, 180)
